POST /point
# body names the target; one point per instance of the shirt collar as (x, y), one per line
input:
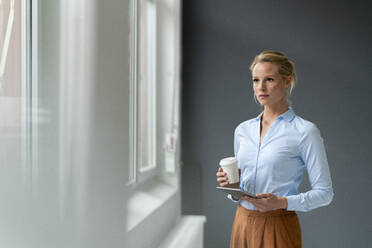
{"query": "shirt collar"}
(287, 116)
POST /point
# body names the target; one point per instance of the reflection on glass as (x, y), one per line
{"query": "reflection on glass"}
(10, 82)
(147, 84)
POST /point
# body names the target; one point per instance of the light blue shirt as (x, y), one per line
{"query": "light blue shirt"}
(290, 146)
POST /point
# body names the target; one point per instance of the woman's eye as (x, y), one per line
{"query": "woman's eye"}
(270, 79)
(255, 80)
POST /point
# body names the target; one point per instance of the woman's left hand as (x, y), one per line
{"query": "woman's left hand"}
(267, 202)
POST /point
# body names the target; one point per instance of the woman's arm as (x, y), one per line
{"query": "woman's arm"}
(314, 156)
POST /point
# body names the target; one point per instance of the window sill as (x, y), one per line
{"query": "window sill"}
(189, 232)
(146, 200)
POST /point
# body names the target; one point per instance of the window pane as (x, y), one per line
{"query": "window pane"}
(10, 83)
(147, 84)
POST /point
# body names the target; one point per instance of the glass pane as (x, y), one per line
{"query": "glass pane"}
(10, 83)
(147, 84)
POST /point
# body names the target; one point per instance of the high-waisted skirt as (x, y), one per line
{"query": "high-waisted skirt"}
(272, 229)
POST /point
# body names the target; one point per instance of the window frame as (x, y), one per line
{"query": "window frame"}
(138, 175)
(30, 61)
(132, 178)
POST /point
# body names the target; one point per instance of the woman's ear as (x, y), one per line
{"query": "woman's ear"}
(288, 81)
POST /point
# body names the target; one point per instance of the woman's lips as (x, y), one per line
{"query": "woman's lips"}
(263, 96)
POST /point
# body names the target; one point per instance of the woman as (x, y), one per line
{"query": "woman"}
(273, 150)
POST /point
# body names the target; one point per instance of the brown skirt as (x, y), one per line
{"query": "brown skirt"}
(254, 229)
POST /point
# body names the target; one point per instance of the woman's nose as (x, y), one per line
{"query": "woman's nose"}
(261, 85)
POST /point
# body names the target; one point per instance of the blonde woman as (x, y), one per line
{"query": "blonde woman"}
(273, 150)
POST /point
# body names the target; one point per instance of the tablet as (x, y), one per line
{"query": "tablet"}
(237, 193)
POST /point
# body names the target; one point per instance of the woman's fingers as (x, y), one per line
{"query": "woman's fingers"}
(222, 182)
(221, 173)
(222, 177)
(265, 202)
(264, 195)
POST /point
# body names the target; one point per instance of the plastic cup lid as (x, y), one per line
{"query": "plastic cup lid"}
(228, 161)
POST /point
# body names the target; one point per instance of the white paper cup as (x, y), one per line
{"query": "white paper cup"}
(230, 166)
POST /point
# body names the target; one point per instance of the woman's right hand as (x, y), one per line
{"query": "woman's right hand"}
(224, 181)
(222, 177)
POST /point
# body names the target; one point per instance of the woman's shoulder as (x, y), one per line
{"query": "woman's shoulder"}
(304, 126)
(245, 125)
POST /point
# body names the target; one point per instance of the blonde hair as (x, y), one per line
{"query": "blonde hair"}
(286, 68)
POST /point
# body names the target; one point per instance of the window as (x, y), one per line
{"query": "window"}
(15, 92)
(143, 88)
(154, 116)
(10, 81)
(147, 85)
(154, 177)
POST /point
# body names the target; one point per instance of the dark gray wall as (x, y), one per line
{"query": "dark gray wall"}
(330, 42)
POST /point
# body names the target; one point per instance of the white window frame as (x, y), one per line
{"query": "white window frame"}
(133, 95)
(30, 91)
(137, 174)
(32, 85)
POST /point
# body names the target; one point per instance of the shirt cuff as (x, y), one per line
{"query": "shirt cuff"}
(294, 202)
(231, 198)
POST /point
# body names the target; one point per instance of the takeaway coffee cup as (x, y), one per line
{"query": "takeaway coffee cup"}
(230, 166)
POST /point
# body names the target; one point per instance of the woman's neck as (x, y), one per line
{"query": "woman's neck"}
(272, 112)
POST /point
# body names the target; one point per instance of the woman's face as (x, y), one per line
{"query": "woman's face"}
(268, 85)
